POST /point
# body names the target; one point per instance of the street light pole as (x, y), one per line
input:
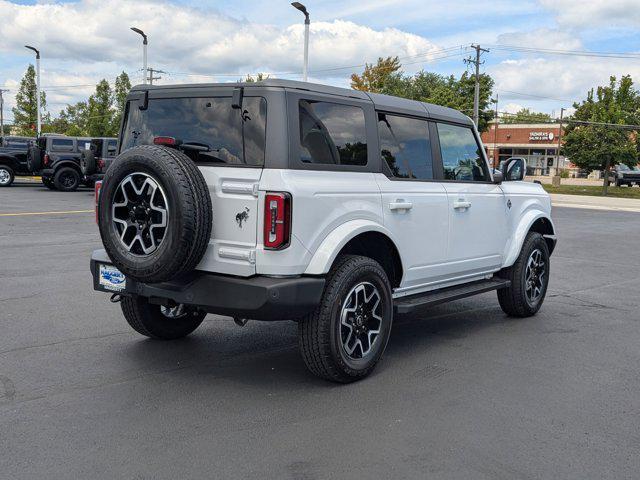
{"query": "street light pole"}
(39, 125)
(303, 9)
(2, 116)
(145, 42)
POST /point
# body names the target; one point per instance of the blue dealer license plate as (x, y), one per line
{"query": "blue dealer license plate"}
(110, 278)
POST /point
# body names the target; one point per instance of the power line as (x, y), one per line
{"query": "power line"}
(438, 56)
(534, 96)
(552, 51)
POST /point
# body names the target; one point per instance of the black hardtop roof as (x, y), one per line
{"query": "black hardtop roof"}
(386, 103)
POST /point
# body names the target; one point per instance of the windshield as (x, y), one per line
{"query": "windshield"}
(623, 167)
(208, 130)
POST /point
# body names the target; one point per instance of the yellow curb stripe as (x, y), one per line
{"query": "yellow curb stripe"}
(24, 214)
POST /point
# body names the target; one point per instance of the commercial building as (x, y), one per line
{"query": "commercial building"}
(537, 143)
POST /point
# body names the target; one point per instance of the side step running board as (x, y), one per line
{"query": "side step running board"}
(435, 297)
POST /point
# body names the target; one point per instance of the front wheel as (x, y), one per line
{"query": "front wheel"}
(529, 277)
(160, 322)
(6, 176)
(345, 337)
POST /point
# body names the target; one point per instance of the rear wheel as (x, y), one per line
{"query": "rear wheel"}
(345, 337)
(529, 278)
(6, 176)
(160, 322)
(66, 179)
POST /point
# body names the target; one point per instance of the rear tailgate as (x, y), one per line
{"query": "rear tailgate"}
(234, 196)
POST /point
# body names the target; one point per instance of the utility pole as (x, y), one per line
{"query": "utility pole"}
(151, 77)
(496, 152)
(476, 96)
(2, 114)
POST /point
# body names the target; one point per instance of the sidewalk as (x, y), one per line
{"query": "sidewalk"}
(596, 203)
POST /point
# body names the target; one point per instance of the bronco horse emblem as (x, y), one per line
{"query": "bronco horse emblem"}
(242, 216)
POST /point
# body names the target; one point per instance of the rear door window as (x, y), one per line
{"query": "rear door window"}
(112, 148)
(405, 147)
(462, 157)
(62, 144)
(208, 130)
(332, 133)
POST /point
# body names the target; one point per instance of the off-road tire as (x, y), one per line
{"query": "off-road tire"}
(147, 319)
(513, 300)
(6, 176)
(66, 179)
(190, 213)
(88, 164)
(319, 333)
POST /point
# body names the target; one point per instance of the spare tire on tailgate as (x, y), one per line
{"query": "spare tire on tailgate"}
(154, 213)
(34, 159)
(88, 163)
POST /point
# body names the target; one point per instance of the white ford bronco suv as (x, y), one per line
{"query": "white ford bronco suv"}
(334, 208)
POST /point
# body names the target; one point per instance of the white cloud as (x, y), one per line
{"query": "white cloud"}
(542, 38)
(92, 39)
(593, 13)
(511, 107)
(205, 42)
(559, 81)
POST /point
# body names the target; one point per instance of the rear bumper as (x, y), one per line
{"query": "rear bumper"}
(47, 173)
(257, 298)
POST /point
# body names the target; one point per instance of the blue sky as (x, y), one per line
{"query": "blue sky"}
(83, 41)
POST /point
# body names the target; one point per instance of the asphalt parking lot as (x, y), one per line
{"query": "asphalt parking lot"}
(463, 391)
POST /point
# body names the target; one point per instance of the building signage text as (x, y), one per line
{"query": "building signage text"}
(537, 136)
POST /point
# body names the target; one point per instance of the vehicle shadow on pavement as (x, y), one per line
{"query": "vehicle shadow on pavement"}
(265, 355)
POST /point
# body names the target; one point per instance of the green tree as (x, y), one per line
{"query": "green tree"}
(121, 90)
(71, 121)
(100, 111)
(593, 146)
(524, 115)
(374, 78)
(25, 113)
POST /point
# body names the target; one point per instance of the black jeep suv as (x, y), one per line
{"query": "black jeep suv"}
(57, 159)
(13, 158)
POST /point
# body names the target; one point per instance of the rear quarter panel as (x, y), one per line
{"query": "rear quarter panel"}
(321, 202)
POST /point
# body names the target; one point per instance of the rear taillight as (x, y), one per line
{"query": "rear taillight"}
(98, 186)
(277, 220)
(100, 164)
(46, 159)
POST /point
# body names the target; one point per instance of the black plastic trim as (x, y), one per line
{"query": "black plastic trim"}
(256, 298)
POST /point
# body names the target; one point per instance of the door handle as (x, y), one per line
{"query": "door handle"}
(399, 205)
(461, 205)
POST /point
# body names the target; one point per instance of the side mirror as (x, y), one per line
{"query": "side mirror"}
(514, 170)
(498, 178)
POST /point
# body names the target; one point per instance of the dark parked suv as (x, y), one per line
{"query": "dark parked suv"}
(95, 160)
(13, 158)
(57, 159)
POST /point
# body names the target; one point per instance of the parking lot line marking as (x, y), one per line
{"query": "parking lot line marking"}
(24, 214)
